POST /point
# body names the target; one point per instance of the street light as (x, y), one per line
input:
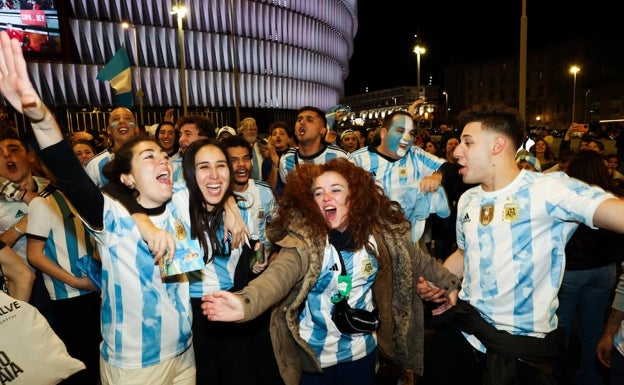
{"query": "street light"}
(445, 106)
(418, 50)
(180, 11)
(137, 63)
(574, 70)
(586, 104)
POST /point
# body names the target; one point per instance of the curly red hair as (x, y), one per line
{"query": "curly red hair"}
(369, 207)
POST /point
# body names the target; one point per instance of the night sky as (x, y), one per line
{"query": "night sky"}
(463, 32)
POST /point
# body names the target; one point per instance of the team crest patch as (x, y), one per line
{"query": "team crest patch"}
(511, 212)
(486, 215)
(368, 267)
(180, 232)
(402, 172)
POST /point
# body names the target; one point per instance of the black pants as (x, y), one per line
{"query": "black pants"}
(449, 359)
(233, 353)
(77, 323)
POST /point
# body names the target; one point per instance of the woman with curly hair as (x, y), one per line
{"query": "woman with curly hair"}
(341, 237)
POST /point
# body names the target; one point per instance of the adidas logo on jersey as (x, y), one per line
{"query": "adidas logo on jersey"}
(334, 268)
(466, 218)
(19, 214)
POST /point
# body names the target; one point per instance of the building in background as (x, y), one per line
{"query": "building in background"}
(240, 56)
(550, 93)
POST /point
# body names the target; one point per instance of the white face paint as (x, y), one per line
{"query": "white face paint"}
(397, 141)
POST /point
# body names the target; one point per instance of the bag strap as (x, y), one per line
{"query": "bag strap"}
(343, 271)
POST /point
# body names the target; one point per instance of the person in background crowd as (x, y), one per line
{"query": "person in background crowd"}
(16, 166)
(408, 174)
(613, 164)
(309, 130)
(528, 162)
(258, 195)
(334, 221)
(541, 150)
(5, 122)
(596, 145)
(574, 129)
(592, 256)
(168, 138)
(192, 128)
(443, 230)
(433, 147)
(121, 128)
(511, 236)
(564, 159)
(225, 132)
(84, 151)
(248, 129)
(280, 137)
(349, 140)
(57, 240)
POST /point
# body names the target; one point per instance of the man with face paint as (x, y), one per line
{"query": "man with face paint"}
(407, 173)
(121, 128)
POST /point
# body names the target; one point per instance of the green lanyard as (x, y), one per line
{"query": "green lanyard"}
(344, 282)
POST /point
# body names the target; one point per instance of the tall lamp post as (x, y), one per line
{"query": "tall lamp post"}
(586, 105)
(445, 106)
(140, 93)
(418, 50)
(180, 11)
(574, 70)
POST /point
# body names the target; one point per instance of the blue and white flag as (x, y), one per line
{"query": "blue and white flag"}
(117, 72)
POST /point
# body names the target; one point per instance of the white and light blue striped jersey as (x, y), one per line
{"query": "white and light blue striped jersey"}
(144, 320)
(261, 208)
(95, 165)
(514, 243)
(218, 274)
(315, 324)
(66, 240)
(400, 180)
(291, 158)
(12, 212)
(176, 162)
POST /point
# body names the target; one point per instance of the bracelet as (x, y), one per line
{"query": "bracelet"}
(18, 231)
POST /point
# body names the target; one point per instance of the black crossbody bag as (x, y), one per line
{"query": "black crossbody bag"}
(350, 320)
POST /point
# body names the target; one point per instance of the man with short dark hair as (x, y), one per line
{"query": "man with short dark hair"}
(191, 127)
(309, 130)
(512, 230)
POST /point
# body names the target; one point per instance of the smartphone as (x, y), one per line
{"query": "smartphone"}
(580, 129)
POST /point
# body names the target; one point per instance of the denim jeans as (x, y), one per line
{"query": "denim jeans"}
(586, 293)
